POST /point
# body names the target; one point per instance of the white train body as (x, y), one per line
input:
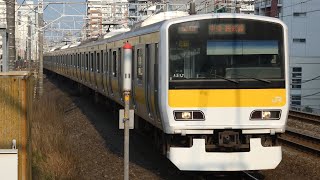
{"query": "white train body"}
(216, 86)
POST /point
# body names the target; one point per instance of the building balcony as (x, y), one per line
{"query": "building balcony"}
(266, 4)
(132, 7)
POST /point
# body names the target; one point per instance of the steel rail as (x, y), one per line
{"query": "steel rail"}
(295, 132)
(307, 117)
(302, 137)
(300, 146)
(250, 175)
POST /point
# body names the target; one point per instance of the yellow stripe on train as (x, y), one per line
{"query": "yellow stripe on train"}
(228, 98)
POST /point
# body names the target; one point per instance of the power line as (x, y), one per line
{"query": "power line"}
(311, 94)
(20, 6)
(305, 81)
(316, 10)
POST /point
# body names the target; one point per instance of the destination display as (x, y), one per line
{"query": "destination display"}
(227, 29)
(188, 29)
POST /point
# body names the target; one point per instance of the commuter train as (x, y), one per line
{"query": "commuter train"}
(214, 87)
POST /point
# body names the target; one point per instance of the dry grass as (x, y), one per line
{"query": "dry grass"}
(52, 154)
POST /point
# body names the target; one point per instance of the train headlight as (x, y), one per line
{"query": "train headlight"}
(186, 115)
(195, 115)
(265, 115)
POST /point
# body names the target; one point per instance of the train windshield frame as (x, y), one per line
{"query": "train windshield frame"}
(226, 53)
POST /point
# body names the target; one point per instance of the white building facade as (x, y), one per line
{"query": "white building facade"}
(3, 24)
(25, 17)
(302, 18)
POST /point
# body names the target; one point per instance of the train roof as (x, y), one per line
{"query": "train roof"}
(157, 26)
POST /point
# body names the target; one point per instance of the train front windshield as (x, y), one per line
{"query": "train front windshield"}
(235, 52)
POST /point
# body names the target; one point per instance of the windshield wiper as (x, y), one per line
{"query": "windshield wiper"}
(258, 79)
(227, 79)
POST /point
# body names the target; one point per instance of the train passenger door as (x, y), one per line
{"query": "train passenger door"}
(106, 75)
(139, 74)
(115, 73)
(133, 101)
(105, 72)
(120, 59)
(149, 61)
(110, 72)
(153, 81)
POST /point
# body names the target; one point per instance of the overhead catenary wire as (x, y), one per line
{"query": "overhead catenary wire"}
(313, 94)
(305, 81)
(20, 5)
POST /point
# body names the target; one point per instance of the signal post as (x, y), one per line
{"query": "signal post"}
(126, 116)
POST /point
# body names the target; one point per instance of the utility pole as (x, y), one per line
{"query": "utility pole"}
(40, 49)
(10, 4)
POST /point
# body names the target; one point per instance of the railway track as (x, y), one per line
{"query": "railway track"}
(306, 117)
(301, 140)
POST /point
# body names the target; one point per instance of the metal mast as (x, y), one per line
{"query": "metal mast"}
(11, 33)
(40, 30)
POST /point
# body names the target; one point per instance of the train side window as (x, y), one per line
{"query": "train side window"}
(139, 64)
(98, 63)
(114, 64)
(78, 60)
(83, 61)
(106, 61)
(77, 55)
(91, 62)
(87, 61)
(73, 60)
(102, 62)
(119, 61)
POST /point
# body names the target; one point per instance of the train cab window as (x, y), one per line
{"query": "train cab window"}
(114, 64)
(98, 62)
(139, 64)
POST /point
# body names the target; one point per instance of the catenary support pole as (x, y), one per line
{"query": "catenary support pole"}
(40, 23)
(29, 45)
(10, 5)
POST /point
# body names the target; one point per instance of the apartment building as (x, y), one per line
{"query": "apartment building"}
(101, 13)
(302, 18)
(25, 19)
(3, 24)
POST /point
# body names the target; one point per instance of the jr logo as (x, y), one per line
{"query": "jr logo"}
(277, 99)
